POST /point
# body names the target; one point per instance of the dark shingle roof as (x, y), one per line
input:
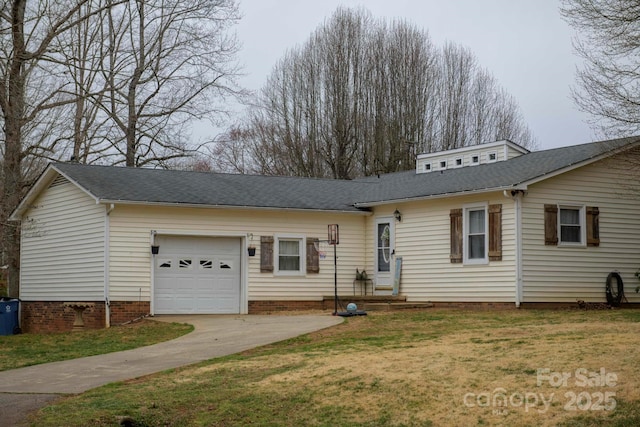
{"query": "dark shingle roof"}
(156, 186)
(492, 176)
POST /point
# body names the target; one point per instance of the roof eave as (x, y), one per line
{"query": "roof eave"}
(42, 182)
(577, 165)
(439, 196)
(359, 211)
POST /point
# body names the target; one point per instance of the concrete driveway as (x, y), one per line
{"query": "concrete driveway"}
(214, 336)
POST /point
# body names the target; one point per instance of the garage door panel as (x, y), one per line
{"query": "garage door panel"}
(197, 275)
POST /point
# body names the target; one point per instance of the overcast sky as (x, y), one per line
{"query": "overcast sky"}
(523, 43)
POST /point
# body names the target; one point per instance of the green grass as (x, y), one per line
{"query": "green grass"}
(32, 349)
(386, 369)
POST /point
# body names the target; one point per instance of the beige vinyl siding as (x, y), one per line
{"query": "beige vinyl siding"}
(566, 274)
(130, 239)
(423, 241)
(62, 254)
(512, 153)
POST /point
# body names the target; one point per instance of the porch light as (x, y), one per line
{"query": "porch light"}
(397, 215)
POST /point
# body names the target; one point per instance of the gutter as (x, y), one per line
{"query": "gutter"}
(440, 196)
(241, 207)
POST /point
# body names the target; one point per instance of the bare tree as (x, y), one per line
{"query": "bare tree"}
(362, 96)
(608, 41)
(165, 63)
(33, 87)
(81, 51)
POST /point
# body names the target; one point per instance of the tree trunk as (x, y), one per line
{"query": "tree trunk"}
(13, 111)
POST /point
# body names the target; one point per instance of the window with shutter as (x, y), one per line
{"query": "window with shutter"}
(476, 234)
(568, 225)
(289, 255)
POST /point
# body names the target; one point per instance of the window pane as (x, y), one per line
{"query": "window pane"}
(289, 247)
(570, 227)
(384, 247)
(289, 255)
(383, 235)
(476, 246)
(570, 216)
(476, 221)
(570, 233)
(289, 263)
(384, 263)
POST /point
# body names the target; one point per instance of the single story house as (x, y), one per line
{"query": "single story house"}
(492, 223)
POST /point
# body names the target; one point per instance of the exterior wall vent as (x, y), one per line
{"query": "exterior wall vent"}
(60, 180)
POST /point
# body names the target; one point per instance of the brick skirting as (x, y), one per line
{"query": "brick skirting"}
(124, 311)
(476, 305)
(257, 307)
(53, 316)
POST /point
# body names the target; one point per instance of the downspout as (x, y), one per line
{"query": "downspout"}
(153, 277)
(107, 305)
(517, 195)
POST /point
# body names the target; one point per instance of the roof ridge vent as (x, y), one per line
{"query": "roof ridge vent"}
(472, 155)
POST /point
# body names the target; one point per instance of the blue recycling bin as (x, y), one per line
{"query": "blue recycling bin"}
(9, 316)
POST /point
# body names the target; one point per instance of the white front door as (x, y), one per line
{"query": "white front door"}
(384, 231)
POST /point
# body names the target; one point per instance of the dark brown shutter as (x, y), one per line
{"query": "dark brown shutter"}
(593, 226)
(456, 235)
(313, 258)
(551, 225)
(266, 254)
(495, 232)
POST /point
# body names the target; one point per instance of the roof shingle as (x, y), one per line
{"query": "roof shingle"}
(156, 186)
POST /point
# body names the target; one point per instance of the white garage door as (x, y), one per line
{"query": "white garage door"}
(197, 275)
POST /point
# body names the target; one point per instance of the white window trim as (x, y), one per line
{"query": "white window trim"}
(472, 162)
(489, 153)
(427, 167)
(455, 162)
(583, 226)
(465, 227)
(276, 255)
(446, 163)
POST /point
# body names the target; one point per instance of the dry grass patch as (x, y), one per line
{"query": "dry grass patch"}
(437, 367)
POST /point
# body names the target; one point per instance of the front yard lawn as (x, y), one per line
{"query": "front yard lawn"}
(434, 367)
(32, 349)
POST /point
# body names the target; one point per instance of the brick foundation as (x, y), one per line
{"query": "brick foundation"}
(124, 311)
(53, 316)
(476, 305)
(257, 307)
(569, 305)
